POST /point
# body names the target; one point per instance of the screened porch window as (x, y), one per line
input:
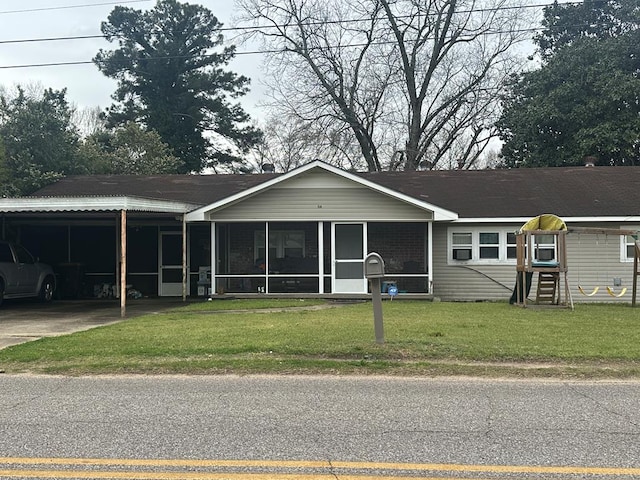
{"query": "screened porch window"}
(282, 244)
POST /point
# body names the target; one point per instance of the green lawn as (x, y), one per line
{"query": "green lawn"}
(422, 338)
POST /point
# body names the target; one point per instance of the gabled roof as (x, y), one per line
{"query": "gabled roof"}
(439, 213)
(573, 192)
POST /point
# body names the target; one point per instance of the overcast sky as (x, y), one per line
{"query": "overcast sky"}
(86, 86)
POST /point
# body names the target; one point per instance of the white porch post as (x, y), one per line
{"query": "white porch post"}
(266, 257)
(118, 241)
(214, 247)
(184, 257)
(430, 255)
(320, 257)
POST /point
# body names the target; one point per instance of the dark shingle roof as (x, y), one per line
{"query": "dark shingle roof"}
(195, 189)
(567, 192)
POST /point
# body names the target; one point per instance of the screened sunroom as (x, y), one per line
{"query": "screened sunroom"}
(316, 257)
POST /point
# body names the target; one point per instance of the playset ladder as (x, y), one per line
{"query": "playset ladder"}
(548, 288)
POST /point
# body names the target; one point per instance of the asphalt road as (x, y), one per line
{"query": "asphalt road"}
(323, 427)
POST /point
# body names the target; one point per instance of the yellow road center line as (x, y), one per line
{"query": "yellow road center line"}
(165, 462)
(59, 474)
(320, 464)
(494, 468)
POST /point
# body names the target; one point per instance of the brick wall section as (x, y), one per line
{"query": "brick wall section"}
(401, 245)
(241, 241)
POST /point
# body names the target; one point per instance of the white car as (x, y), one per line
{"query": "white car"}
(22, 275)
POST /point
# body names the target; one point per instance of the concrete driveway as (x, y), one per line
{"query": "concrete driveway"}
(25, 320)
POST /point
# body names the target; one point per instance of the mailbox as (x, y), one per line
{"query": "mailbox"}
(373, 266)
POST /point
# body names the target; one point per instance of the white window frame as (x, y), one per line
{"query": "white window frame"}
(625, 242)
(460, 246)
(539, 245)
(475, 245)
(492, 246)
(511, 245)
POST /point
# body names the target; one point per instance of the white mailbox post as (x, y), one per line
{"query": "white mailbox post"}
(374, 271)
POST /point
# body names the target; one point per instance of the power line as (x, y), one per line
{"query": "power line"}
(52, 39)
(52, 64)
(245, 28)
(89, 37)
(66, 7)
(240, 53)
(240, 28)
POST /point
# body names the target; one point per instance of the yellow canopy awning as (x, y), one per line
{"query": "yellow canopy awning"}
(547, 221)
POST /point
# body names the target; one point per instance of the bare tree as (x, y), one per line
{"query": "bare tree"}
(88, 120)
(290, 142)
(412, 80)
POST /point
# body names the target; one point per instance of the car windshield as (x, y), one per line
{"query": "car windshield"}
(23, 255)
(5, 253)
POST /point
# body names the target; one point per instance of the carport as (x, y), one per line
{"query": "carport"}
(45, 224)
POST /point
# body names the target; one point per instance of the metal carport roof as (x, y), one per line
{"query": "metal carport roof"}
(81, 205)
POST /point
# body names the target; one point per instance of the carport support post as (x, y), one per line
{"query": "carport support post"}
(123, 263)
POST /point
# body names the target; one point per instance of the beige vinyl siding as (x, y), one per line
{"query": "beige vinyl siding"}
(593, 260)
(468, 282)
(320, 204)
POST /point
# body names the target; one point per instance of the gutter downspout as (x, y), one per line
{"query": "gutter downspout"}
(214, 257)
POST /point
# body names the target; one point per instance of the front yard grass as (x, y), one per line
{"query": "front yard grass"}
(421, 338)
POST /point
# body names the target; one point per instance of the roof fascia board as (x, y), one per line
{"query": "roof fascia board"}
(88, 204)
(627, 219)
(354, 219)
(439, 214)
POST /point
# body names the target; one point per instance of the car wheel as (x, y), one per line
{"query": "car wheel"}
(46, 290)
(1, 292)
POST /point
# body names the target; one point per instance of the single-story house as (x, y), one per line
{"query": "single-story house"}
(446, 234)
